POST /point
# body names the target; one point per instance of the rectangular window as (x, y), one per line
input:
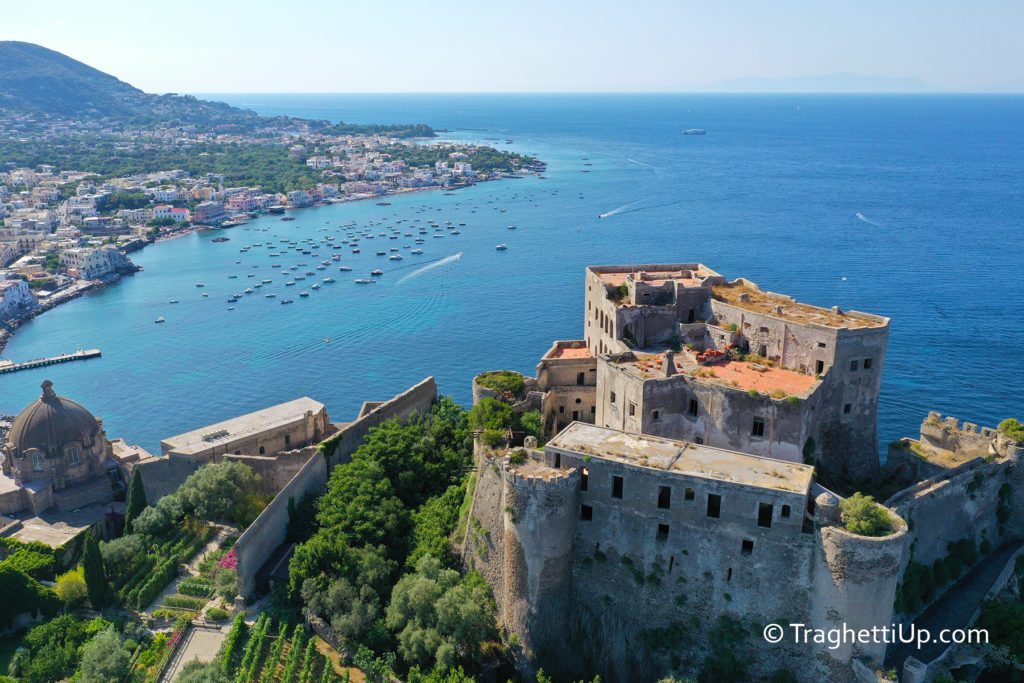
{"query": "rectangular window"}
(586, 513)
(632, 409)
(764, 330)
(593, 410)
(287, 439)
(616, 487)
(785, 512)
(663, 532)
(691, 315)
(561, 409)
(664, 497)
(822, 345)
(656, 416)
(584, 479)
(689, 494)
(575, 415)
(262, 450)
(867, 363)
(848, 407)
(714, 505)
(747, 547)
(764, 515)
(820, 367)
(611, 397)
(581, 377)
(693, 407)
(758, 427)
(853, 366)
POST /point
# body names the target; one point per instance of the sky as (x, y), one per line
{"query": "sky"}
(212, 46)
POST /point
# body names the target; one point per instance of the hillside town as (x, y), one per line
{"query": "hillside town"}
(65, 230)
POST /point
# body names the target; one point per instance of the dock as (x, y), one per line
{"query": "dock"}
(7, 366)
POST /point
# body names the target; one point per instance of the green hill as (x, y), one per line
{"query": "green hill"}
(37, 80)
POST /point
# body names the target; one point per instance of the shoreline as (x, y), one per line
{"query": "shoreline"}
(7, 332)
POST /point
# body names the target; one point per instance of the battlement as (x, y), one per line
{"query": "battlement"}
(948, 422)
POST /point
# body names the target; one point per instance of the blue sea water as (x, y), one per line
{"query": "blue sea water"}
(910, 207)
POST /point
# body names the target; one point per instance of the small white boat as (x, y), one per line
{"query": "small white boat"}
(173, 301)
(270, 296)
(316, 286)
(328, 279)
(303, 293)
(287, 301)
(159, 320)
(249, 290)
(501, 247)
(395, 257)
(416, 251)
(200, 284)
(344, 268)
(362, 281)
(290, 283)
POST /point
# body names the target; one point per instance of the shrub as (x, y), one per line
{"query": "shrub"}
(184, 601)
(732, 327)
(779, 393)
(861, 515)
(491, 414)
(493, 437)
(1012, 428)
(217, 614)
(227, 584)
(753, 393)
(71, 587)
(504, 381)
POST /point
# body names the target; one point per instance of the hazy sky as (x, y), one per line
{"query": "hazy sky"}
(522, 45)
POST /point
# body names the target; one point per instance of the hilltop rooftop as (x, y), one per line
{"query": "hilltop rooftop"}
(681, 457)
(741, 375)
(743, 294)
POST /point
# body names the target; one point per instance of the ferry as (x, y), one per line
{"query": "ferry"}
(501, 247)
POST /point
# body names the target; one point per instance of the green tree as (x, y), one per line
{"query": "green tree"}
(491, 414)
(213, 491)
(136, 500)
(71, 587)
(105, 659)
(198, 672)
(95, 575)
(533, 425)
(439, 618)
(863, 516)
(158, 519)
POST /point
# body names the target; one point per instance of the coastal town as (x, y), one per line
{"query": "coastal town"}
(65, 230)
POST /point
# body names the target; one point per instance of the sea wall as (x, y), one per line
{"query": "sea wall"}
(268, 531)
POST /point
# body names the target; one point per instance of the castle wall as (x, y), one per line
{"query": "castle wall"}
(724, 419)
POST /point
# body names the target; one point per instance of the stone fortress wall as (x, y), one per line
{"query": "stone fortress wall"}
(602, 584)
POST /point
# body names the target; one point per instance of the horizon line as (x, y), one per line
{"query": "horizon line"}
(596, 92)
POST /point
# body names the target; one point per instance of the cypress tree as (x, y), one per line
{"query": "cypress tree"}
(95, 576)
(136, 500)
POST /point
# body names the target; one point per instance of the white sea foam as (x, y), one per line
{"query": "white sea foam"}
(435, 264)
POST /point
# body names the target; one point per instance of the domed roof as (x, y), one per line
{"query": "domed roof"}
(51, 422)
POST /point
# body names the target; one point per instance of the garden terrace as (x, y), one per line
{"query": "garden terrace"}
(681, 457)
(745, 295)
(569, 350)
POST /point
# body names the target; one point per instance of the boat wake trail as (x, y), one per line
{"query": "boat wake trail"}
(619, 210)
(435, 264)
(869, 222)
(639, 163)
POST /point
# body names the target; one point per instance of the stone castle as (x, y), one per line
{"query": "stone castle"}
(677, 487)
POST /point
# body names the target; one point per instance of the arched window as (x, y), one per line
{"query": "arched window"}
(37, 462)
(73, 455)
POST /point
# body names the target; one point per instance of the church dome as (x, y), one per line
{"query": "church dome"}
(51, 422)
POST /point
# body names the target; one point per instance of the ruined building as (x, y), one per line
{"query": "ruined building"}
(676, 494)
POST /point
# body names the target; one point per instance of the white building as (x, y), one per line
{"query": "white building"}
(95, 263)
(14, 298)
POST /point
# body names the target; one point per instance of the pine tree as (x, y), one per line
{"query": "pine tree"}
(95, 576)
(136, 500)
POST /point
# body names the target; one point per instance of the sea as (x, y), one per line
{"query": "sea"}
(911, 207)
